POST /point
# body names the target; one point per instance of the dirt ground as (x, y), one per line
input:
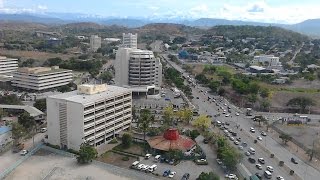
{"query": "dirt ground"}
(52, 166)
(116, 159)
(33, 54)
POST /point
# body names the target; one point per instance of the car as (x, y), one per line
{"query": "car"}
(234, 134)
(225, 104)
(227, 115)
(237, 114)
(231, 176)
(240, 147)
(219, 161)
(166, 173)
(258, 175)
(223, 112)
(244, 144)
(231, 138)
(197, 97)
(280, 178)
(258, 166)
(251, 160)
(205, 141)
(186, 176)
(147, 156)
(261, 160)
(225, 131)
(252, 130)
(270, 169)
(259, 138)
(140, 166)
(228, 135)
(145, 168)
(236, 142)
(239, 139)
(24, 152)
(294, 161)
(171, 162)
(172, 173)
(247, 153)
(201, 162)
(227, 124)
(263, 133)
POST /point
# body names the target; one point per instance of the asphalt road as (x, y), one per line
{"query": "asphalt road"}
(303, 170)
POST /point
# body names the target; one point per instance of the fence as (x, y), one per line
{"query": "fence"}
(16, 164)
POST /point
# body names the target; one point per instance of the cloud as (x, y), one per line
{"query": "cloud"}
(200, 8)
(256, 8)
(13, 10)
(153, 8)
(42, 7)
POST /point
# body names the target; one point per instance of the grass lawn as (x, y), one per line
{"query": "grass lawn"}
(135, 148)
(115, 159)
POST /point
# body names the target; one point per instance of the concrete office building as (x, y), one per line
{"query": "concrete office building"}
(138, 70)
(130, 40)
(95, 43)
(93, 113)
(8, 65)
(266, 60)
(41, 78)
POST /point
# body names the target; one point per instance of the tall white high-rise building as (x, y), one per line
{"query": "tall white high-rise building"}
(8, 65)
(41, 78)
(93, 113)
(95, 43)
(137, 68)
(130, 40)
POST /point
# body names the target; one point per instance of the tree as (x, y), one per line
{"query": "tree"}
(194, 134)
(106, 76)
(2, 113)
(302, 102)
(265, 104)
(264, 92)
(18, 131)
(168, 115)
(202, 122)
(144, 121)
(214, 86)
(53, 61)
(187, 115)
(126, 140)
(86, 153)
(11, 99)
(41, 104)
(64, 88)
(285, 137)
(26, 121)
(208, 176)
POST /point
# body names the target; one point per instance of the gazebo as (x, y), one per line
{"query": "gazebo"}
(171, 140)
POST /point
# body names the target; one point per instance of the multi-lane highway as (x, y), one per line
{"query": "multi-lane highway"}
(264, 148)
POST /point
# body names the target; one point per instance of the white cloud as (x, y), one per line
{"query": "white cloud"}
(13, 10)
(153, 8)
(42, 7)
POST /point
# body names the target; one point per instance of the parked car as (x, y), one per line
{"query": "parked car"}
(140, 166)
(270, 168)
(259, 138)
(237, 114)
(186, 176)
(247, 153)
(258, 166)
(240, 147)
(24, 152)
(219, 161)
(263, 133)
(171, 162)
(147, 156)
(239, 139)
(201, 161)
(166, 173)
(251, 160)
(261, 160)
(236, 142)
(259, 175)
(205, 141)
(294, 161)
(231, 176)
(172, 173)
(280, 178)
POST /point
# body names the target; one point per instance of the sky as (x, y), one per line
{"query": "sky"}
(271, 11)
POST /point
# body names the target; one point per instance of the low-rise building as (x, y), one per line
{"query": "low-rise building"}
(93, 113)
(8, 65)
(41, 78)
(267, 60)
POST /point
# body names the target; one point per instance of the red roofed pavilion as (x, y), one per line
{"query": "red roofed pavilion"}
(171, 140)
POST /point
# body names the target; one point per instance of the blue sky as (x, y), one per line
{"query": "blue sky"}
(280, 11)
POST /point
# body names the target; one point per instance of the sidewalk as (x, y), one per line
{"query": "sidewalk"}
(296, 150)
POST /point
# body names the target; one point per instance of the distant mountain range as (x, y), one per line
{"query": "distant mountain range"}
(309, 27)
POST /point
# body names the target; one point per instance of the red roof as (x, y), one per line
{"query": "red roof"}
(171, 140)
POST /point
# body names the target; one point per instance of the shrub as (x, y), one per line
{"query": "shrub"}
(125, 158)
(113, 141)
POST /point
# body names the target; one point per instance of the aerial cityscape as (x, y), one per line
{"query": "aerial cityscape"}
(199, 90)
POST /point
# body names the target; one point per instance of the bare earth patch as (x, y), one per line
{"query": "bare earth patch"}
(34, 54)
(116, 159)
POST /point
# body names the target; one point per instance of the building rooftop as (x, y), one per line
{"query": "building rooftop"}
(41, 70)
(4, 58)
(257, 68)
(30, 109)
(83, 98)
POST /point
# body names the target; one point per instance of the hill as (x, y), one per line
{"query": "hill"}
(168, 29)
(21, 26)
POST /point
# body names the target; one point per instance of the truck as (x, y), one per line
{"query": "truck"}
(249, 112)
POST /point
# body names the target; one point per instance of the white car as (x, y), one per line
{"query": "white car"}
(171, 175)
(263, 133)
(252, 130)
(247, 153)
(24, 152)
(258, 166)
(145, 168)
(219, 161)
(259, 138)
(236, 142)
(280, 178)
(240, 147)
(231, 138)
(140, 166)
(227, 115)
(270, 168)
(237, 114)
(231, 176)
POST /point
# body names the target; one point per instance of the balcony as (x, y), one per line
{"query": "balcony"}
(86, 133)
(88, 125)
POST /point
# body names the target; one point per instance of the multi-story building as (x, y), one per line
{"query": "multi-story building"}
(41, 78)
(266, 60)
(130, 40)
(93, 113)
(95, 43)
(137, 69)
(8, 65)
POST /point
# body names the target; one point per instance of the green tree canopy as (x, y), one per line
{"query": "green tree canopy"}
(202, 122)
(208, 176)
(86, 153)
(18, 131)
(26, 121)
(41, 104)
(145, 121)
(106, 76)
(285, 137)
(126, 140)
(302, 102)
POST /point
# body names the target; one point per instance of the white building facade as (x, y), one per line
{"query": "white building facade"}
(41, 78)
(266, 60)
(95, 43)
(93, 113)
(8, 65)
(137, 68)
(130, 40)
